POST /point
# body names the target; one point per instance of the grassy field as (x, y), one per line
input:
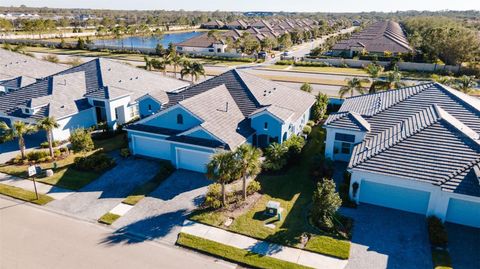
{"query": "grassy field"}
(24, 195)
(294, 190)
(241, 256)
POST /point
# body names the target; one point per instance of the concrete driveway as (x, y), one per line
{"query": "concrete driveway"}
(103, 194)
(160, 215)
(388, 238)
(464, 246)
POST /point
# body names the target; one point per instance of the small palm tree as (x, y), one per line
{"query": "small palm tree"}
(48, 124)
(223, 168)
(394, 79)
(465, 83)
(249, 162)
(194, 69)
(18, 130)
(176, 60)
(148, 63)
(374, 71)
(445, 80)
(353, 85)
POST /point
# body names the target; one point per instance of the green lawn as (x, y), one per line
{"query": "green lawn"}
(441, 259)
(234, 254)
(114, 143)
(109, 218)
(333, 70)
(24, 195)
(293, 189)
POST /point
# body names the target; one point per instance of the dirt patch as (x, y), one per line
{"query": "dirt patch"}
(240, 208)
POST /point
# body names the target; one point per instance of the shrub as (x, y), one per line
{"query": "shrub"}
(96, 162)
(311, 123)
(295, 145)
(306, 87)
(275, 157)
(57, 152)
(125, 152)
(284, 62)
(253, 187)
(307, 129)
(326, 202)
(36, 155)
(44, 145)
(322, 167)
(437, 232)
(81, 140)
(213, 198)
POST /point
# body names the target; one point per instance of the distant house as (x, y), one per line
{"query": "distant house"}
(97, 91)
(376, 39)
(356, 23)
(215, 24)
(415, 149)
(202, 43)
(237, 24)
(218, 114)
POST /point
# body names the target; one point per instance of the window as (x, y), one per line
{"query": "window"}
(265, 125)
(149, 108)
(133, 111)
(179, 119)
(343, 143)
(345, 137)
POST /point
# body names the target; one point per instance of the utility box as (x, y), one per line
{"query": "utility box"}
(273, 208)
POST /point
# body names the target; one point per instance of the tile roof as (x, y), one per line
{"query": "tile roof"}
(428, 133)
(348, 120)
(201, 41)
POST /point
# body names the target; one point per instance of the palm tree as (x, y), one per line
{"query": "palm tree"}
(18, 130)
(465, 83)
(445, 80)
(394, 79)
(374, 71)
(354, 84)
(160, 65)
(193, 69)
(176, 60)
(223, 168)
(48, 124)
(249, 162)
(148, 63)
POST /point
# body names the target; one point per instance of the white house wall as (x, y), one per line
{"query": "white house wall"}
(84, 119)
(330, 140)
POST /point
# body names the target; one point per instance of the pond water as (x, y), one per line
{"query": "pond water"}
(147, 41)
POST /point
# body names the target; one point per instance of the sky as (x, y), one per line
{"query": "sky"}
(257, 5)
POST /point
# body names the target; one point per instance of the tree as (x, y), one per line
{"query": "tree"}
(223, 168)
(326, 202)
(268, 43)
(160, 64)
(285, 41)
(306, 87)
(148, 63)
(394, 79)
(374, 71)
(353, 85)
(465, 84)
(319, 108)
(18, 130)
(81, 140)
(176, 60)
(249, 163)
(80, 44)
(159, 50)
(48, 124)
(276, 156)
(194, 69)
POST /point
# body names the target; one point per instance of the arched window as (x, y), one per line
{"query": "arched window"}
(179, 119)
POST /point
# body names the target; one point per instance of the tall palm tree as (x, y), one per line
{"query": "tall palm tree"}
(194, 69)
(223, 168)
(394, 79)
(160, 64)
(48, 124)
(374, 71)
(465, 83)
(148, 63)
(353, 85)
(249, 163)
(18, 130)
(176, 60)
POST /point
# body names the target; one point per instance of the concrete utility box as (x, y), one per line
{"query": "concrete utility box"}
(273, 208)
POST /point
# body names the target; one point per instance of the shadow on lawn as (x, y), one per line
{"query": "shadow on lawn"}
(148, 229)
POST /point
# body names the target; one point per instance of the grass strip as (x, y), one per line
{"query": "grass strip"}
(441, 259)
(141, 191)
(109, 218)
(230, 253)
(24, 195)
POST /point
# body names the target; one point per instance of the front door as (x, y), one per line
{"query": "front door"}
(100, 112)
(263, 141)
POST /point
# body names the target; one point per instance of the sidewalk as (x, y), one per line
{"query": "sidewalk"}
(42, 188)
(280, 252)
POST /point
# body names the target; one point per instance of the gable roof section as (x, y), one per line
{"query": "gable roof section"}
(348, 120)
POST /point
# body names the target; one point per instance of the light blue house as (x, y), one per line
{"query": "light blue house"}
(218, 114)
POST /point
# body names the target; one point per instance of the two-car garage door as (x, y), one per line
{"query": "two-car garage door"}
(192, 159)
(394, 197)
(151, 147)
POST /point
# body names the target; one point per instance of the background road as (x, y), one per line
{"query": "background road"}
(31, 237)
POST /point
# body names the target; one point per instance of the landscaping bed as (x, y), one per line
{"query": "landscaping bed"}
(233, 254)
(293, 189)
(24, 195)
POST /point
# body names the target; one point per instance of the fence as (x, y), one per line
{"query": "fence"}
(407, 66)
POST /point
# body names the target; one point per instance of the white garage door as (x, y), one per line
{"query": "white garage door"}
(463, 212)
(152, 147)
(192, 160)
(394, 197)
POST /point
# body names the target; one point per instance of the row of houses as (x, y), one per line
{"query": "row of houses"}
(259, 30)
(376, 39)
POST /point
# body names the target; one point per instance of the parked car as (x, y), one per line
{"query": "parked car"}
(287, 53)
(262, 55)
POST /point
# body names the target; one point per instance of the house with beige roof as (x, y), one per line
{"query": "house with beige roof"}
(218, 114)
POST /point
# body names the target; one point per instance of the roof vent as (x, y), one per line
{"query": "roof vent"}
(109, 69)
(131, 78)
(120, 81)
(136, 77)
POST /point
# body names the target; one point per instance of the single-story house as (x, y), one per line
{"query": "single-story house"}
(415, 149)
(202, 43)
(100, 90)
(215, 24)
(220, 113)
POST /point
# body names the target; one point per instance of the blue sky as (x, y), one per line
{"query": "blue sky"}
(270, 5)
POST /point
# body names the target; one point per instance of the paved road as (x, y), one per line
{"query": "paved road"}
(103, 194)
(387, 238)
(161, 215)
(31, 237)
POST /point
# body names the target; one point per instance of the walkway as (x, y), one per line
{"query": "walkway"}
(280, 252)
(42, 188)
